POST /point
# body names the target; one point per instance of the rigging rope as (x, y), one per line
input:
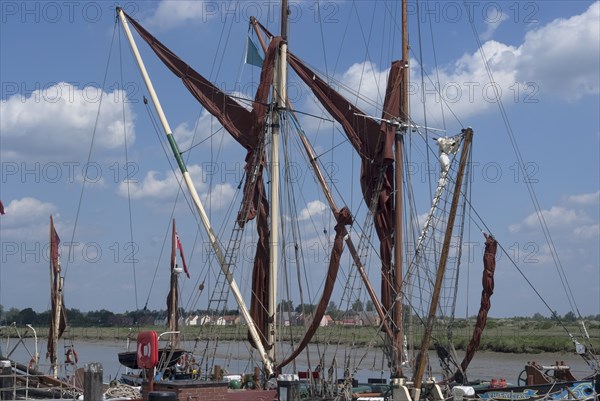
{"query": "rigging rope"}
(528, 183)
(127, 179)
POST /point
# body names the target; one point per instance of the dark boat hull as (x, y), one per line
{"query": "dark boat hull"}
(167, 357)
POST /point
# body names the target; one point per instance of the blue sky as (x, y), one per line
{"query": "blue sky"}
(544, 59)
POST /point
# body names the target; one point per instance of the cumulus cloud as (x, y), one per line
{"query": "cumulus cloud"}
(563, 55)
(172, 13)
(157, 186)
(587, 231)
(26, 210)
(590, 199)
(27, 219)
(536, 67)
(576, 218)
(492, 25)
(312, 209)
(556, 216)
(205, 126)
(56, 123)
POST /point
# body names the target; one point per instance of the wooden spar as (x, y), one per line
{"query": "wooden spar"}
(174, 291)
(279, 94)
(435, 297)
(398, 338)
(334, 208)
(267, 362)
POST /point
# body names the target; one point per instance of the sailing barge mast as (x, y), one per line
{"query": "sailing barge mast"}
(252, 329)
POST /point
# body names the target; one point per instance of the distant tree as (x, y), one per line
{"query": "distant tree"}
(26, 316)
(538, 316)
(570, 317)
(75, 317)
(11, 315)
(370, 307)
(305, 308)
(285, 306)
(99, 318)
(358, 306)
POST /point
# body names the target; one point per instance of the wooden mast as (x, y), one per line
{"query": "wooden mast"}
(398, 340)
(279, 96)
(334, 208)
(174, 292)
(435, 297)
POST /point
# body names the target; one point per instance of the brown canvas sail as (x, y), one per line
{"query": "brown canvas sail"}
(58, 318)
(374, 143)
(487, 281)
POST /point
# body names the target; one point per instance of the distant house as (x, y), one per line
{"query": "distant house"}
(192, 320)
(231, 320)
(369, 319)
(326, 320)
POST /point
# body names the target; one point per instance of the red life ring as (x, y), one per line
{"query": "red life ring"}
(147, 349)
(71, 356)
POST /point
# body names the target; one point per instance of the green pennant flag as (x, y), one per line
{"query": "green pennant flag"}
(252, 55)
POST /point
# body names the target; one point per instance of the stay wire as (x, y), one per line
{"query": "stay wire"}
(127, 181)
(89, 157)
(530, 189)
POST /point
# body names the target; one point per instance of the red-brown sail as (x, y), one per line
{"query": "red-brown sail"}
(344, 218)
(374, 144)
(489, 267)
(56, 296)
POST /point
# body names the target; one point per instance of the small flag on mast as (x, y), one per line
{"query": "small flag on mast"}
(252, 55)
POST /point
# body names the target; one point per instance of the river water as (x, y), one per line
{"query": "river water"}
(234, 357)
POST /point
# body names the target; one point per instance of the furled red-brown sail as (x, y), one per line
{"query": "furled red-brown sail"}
(56, 295)
(489, 267)
(344, 218)
(374, 143)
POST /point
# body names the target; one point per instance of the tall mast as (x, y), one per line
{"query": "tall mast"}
(279, 94)
(405, 123)
(268, 363)
(435, 296)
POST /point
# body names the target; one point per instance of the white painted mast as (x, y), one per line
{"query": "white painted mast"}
(267, 361)
(280, 96)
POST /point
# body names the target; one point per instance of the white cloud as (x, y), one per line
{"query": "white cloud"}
(556, 216)
(156, 186)
(590, 199)
(27, 219)
(492, 25)
(206, 125)
(27, 210)
(172, 13)
(564, 55)
(312, 209)
(560, 58)
(56, 123)
(587, 232)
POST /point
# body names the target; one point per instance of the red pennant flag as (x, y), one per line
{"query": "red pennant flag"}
(180, 247)
(1, 208)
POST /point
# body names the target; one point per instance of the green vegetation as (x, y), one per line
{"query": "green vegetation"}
(512, 335)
